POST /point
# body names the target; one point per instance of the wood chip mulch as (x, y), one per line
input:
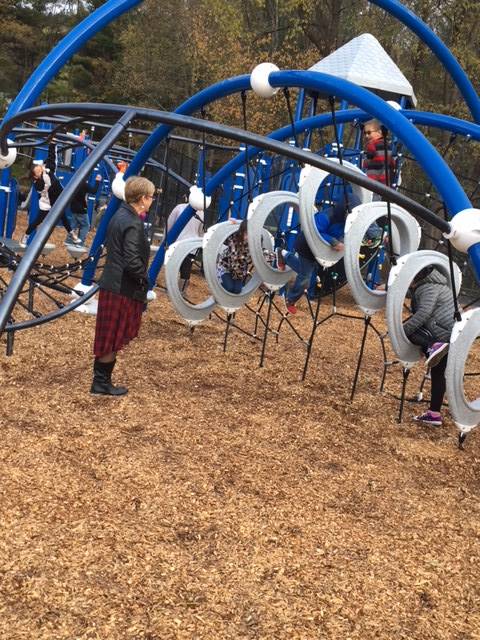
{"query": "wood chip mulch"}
(220, 500)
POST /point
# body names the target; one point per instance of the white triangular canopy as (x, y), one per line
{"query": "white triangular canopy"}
(365, 62)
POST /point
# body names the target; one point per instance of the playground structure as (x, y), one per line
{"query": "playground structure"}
(251, 188)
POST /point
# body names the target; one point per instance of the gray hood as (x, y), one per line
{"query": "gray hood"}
(436, 277)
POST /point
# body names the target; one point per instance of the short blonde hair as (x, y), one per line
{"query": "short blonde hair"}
(136, 187)
(374, 123)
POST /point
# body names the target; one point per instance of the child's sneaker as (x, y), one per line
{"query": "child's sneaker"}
(291, 308)
(436, 352)
(280, 260)
(429, 417)
(75, 238)
(23, 241)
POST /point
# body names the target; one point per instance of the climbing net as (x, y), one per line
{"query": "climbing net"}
(49, 292)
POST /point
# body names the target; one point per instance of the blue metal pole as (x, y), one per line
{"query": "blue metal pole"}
(447, 123)
(440, 49)
(11, 208)
(300, 105)
(56, 60)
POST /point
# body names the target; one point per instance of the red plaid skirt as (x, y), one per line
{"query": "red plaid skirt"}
(118, 322)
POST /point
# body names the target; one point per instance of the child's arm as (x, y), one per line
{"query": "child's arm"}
(51, 161)
(424, 305)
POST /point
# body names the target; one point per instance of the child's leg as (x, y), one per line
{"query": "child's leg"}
(438, 385)
(422, 337)
(292, 259)
(83, 226)
(66, 223)
(304, 273)
(41, 215)
(230, 284)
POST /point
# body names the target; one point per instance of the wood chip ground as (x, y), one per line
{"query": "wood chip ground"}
(220, 500)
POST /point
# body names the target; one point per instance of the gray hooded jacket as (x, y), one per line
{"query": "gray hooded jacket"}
(432, 307)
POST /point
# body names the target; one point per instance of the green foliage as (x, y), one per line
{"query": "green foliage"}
(162, 52)
(154, 67)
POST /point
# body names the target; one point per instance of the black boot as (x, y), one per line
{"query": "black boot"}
(102, 380)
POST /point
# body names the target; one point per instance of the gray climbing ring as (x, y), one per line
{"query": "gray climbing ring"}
(406, 238)
(401, 276)
(258, 212)
(213, 242)
(310, 180)
(174, 256)
(465, 414)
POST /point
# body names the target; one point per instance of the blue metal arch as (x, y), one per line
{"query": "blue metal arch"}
(56, 60)
(439, 48)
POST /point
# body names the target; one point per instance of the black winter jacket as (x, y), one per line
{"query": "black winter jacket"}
(78, 203)
(48, 185)
(303, 248)
(125, 270)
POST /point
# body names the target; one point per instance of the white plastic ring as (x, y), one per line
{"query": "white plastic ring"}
(400, 278)
(406, 238)
(310, 180)
(465, 414)
(213, 242)
(175, 255)
(258, 212)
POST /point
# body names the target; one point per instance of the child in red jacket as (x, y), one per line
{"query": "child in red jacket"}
(374, 150)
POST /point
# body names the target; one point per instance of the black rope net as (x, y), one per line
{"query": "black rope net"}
(49, 291)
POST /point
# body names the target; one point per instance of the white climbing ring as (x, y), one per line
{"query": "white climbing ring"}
(400, 278)
(213, 242)
(258, 212)
(175, 255)
(310, 180)
(465, 414)
(406, 238)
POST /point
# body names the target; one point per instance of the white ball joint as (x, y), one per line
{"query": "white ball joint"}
(465, 229)
(118, 185)
(9, 159)
(259, 80)
(197, 200)
(394, 105)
